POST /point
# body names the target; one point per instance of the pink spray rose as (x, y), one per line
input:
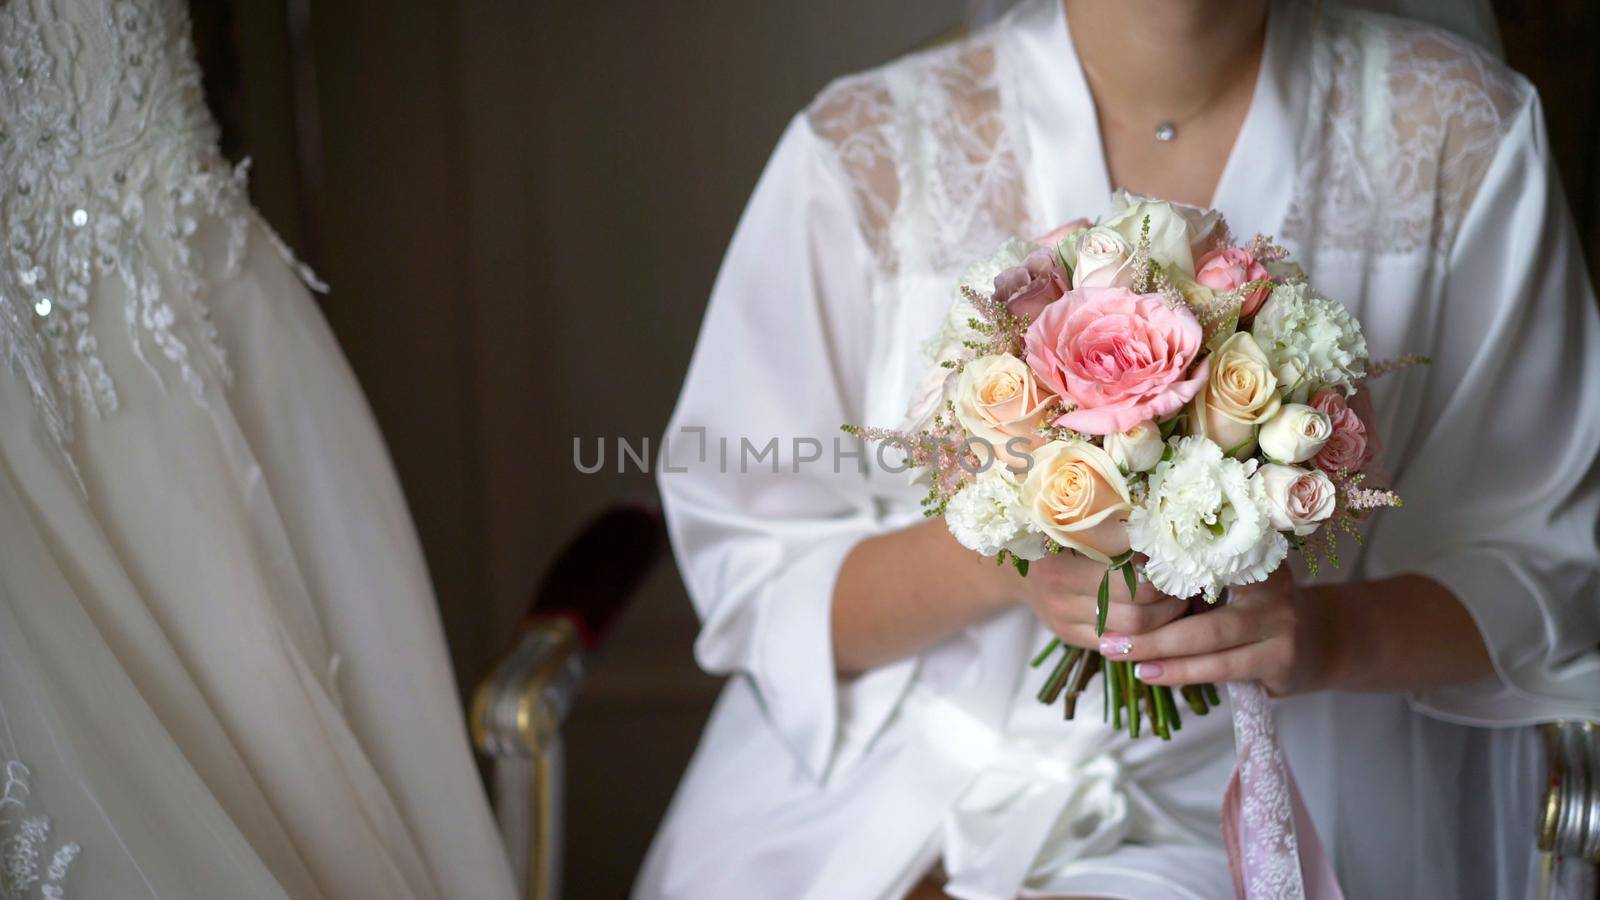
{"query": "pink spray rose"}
(1347, 448)
(1231, 268)
(1120, 357)
(1027, 289)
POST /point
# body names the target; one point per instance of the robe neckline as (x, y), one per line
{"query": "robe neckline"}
(1066, 166)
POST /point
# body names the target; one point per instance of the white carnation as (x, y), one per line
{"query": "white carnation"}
(1312, 341)
(1204, 523)
(987, 516)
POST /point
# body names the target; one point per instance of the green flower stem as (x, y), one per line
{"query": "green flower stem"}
(1106, 680)
(1051, 690)
(1212, 697)
(1078, 680)
(1045, 653)
(1131, 692)
(1159, 723)
(1114, 677)
(1169, 709)
(1196, 699)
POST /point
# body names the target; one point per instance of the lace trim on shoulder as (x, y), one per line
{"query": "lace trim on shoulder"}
(1411, 118)
(931, 158)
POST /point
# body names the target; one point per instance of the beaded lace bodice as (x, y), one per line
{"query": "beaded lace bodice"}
(108, 168)
(1407, 120)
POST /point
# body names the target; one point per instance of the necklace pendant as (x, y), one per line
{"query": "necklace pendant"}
(1166, 132)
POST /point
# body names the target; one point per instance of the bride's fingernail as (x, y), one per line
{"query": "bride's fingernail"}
(1115, 645)
(1147, 670)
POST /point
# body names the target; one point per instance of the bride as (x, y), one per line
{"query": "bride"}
(879, 737)
(221, 669)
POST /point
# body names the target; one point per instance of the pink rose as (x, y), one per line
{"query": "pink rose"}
(1347, 448)
(1231, 268)
(1027, 289)
(1120, 357)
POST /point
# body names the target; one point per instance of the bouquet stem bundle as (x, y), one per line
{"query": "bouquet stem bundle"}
(1129, 702)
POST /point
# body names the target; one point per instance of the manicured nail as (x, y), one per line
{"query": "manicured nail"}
(1115, 645)
(1147, 670)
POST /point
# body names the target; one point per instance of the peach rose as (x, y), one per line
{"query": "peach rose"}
(1231, 268)
(1241, 394)
(998, 400)
(1347, 446)
(1076, 496)
(1120, 357)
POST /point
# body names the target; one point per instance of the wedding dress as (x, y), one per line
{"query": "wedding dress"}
(1408, 171)
(222, 673)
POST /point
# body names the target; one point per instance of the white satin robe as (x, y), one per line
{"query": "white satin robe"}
(1408, 172)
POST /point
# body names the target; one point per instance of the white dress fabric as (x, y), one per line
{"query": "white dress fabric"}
(222, 672)
(1408, 171)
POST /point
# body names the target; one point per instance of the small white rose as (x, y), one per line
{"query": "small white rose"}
(1298, 500)
(1102, 259)
(1295, 434)
(1138, 449)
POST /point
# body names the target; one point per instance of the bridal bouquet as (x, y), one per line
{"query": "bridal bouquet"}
(1151, 395)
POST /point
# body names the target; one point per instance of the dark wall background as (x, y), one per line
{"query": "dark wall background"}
(521, 207)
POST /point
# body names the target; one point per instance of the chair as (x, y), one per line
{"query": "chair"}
(1569, 816)
(518, 710)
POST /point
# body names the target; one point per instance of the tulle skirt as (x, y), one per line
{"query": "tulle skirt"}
(222, 672)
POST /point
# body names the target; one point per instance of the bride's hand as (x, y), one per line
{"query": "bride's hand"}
(1063, 590)
(1271, 632)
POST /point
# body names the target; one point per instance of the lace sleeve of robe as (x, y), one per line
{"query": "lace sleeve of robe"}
(1502, 495)
(782, 354)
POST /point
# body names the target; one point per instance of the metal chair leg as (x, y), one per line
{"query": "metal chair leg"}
(1569, 819)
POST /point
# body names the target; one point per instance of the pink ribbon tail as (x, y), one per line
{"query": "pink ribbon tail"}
(1273, 848)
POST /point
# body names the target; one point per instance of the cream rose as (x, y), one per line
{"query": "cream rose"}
(1102, 259)
(1241, 395)
(1076, 496)
(1138, 449)
(1295, 434)
(1177, 231)
(1298, 500)
(999, 400)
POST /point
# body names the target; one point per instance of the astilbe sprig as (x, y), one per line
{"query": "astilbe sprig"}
(1380, 367)
(1264, 250)
(1351, 507)
(941, 448)
(1002, 330)
(1143, 267)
